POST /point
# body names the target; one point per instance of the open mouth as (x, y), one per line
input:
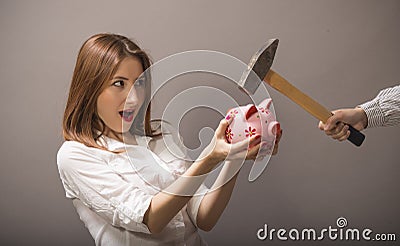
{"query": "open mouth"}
(127, 115)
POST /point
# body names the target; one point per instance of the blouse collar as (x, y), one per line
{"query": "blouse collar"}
(113, 144)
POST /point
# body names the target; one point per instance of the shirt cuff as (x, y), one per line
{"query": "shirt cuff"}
(132, 219)
(375, 116)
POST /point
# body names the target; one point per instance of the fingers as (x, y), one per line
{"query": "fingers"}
(258, 150)
(276, 146)
(266, 151)
(333, 120)
(253, 148)
(335, 127)
(321, 126)
(220, 131)
(343, 134)
(263, 151)
(241, 150)
(278, 136)
(340, 132)
(336, 130)
(264, 148)
(244, 145)
(253, 152)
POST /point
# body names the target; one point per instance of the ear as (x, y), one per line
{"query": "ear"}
(266, 103)
(252, 110)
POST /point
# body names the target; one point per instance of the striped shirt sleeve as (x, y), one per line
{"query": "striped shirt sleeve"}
(384, 109)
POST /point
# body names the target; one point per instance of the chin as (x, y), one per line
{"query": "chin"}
(125, 129)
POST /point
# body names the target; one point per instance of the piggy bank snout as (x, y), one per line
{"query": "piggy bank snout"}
(273, 128)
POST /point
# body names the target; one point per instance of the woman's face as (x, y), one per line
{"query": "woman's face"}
(113, 99)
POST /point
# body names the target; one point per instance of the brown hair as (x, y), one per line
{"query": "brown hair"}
(98, 60)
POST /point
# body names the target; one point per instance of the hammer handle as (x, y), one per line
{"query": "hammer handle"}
(310, 105)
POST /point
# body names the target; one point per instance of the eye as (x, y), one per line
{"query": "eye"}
(140, 82)
(119, 83)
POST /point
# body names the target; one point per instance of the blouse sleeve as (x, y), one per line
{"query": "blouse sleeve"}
(384, 109)
(88, 177)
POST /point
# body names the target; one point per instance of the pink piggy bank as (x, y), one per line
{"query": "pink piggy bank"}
(251, 120)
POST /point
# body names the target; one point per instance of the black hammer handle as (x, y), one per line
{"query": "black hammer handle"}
(356, 137)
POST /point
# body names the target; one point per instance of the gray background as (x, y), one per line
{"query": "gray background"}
(340, 52)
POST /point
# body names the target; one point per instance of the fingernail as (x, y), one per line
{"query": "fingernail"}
(229, 118)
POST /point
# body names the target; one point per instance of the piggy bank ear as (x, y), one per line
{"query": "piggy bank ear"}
(250, 111)
(266, 103)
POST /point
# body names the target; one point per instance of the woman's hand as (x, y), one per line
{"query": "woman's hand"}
(277, 140)
(264, 151)
(219, 149)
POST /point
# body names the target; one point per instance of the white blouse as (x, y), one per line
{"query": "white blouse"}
(111, 192)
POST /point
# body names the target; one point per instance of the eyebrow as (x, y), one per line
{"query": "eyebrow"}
(123, 78)
(120, 77)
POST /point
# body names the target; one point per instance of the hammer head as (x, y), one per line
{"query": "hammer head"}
(259, 66)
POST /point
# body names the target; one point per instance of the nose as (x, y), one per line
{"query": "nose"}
(132, 99)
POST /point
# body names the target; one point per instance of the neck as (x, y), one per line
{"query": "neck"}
(125, 137)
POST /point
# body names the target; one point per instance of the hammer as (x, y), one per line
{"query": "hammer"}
(259, 68)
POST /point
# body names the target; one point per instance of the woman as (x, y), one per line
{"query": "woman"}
(117, 185)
